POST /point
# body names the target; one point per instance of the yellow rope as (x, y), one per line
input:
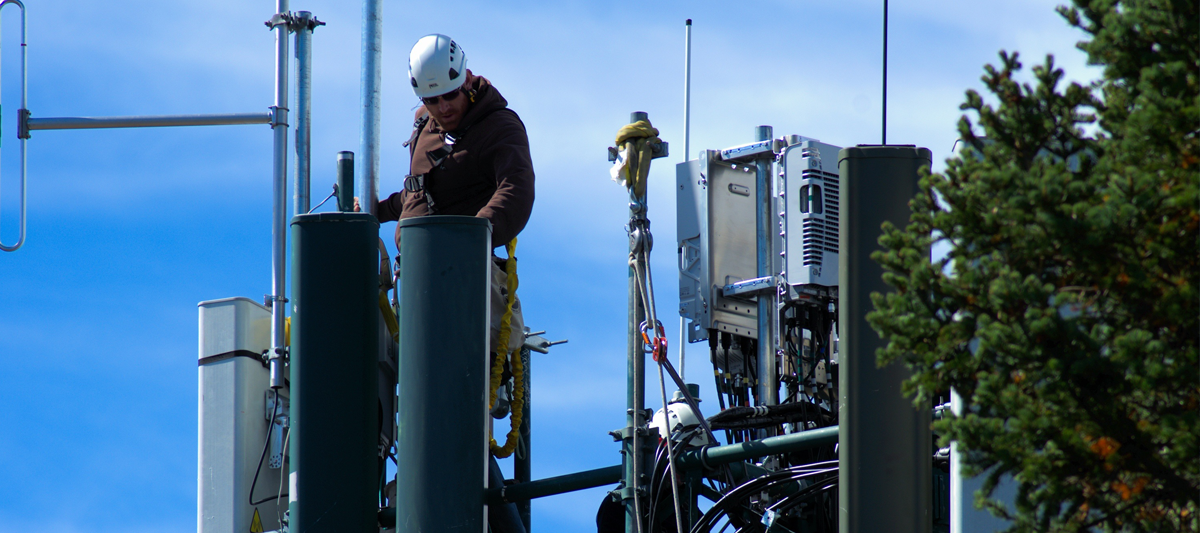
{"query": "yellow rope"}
(389, 316)
(502, 354)
(642, 136)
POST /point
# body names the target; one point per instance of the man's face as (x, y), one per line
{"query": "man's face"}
(448, 113)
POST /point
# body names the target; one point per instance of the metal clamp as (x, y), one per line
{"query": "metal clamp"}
(279, 116)
(750, 287)
(301, 20)
(281, 19)
(657, 150)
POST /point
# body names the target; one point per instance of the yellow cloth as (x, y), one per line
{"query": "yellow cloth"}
(634, 145)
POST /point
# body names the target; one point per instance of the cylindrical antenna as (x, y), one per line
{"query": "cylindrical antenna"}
(345, 181)
(687, 150)
(687, 91)
(884, 127)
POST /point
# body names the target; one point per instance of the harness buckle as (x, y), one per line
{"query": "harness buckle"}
(414, 183)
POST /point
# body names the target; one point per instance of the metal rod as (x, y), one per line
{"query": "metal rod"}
(84, 123)
(687, 151)
(279, 126)
(712, 456)
(372, 50)
(687, 92)
(304, 31)
(24, 105)
(884, 126)
(768, 389)
(793, 442)
(671, 462)
(523, 462)
(555, 485)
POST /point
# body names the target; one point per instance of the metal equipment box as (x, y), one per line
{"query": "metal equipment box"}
(809, 190)
(716, 235)
(233, 415)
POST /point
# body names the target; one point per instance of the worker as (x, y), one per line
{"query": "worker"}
(469, 155)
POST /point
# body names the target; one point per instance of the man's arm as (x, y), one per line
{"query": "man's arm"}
(390, 208)
(512, 203)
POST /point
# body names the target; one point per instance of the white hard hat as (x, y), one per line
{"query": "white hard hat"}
(436, 66)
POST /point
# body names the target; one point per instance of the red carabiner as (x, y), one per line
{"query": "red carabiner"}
(660, 349)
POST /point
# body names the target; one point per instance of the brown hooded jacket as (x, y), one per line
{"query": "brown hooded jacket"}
(488, 172)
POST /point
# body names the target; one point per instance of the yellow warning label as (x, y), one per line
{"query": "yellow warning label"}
(256, 523)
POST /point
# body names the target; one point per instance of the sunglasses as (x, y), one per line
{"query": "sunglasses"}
(448, 97)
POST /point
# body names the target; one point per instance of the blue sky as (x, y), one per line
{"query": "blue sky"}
(129, 229)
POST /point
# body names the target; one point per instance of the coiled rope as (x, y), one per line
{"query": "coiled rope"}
(502, 355)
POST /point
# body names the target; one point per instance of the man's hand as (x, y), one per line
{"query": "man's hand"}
(357, 208)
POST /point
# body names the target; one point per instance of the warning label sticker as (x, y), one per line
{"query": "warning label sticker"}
(256, 523)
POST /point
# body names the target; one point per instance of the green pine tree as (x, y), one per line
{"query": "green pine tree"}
(1067, 314)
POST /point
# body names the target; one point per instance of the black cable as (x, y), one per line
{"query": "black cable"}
(266, 444)
(756, 485)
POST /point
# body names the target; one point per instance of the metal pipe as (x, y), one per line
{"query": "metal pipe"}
(710, 456)
(523, 462)
(304, 30)
(22, 113)
(372, 50)
(768, 388)
(631, 448)
(555, 485)
(793, 442)
(279, 127)
(84, 123)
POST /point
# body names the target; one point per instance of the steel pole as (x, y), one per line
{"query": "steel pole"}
(768, 388)
(885, 444)
(304, 31)
(631, 445)
(279, 126)
(793, 442)
(523, 462)
(692, 459)
(372, 51)
(523, 492)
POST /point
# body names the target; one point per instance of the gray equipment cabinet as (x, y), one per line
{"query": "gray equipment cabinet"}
(716, 229)
(809, 194)
(716, 237)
